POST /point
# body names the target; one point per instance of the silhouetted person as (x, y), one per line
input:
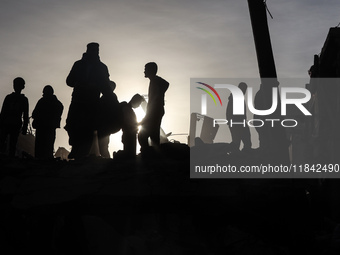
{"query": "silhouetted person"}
(109, 119)
(130, 125)
(155, 107)
(88, 77)
(114, 116)
(265, 130)
(13, 117)
(47, 115)
(238, 126)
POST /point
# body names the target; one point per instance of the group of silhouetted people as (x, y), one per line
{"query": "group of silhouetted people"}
(14, 119)
(94, 108)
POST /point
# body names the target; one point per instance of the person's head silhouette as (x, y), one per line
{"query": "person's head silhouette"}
(48, 91)
(112, 85)
(18, 84)
(136, 101)
(150, 70)
(92, 49)
(243, 86)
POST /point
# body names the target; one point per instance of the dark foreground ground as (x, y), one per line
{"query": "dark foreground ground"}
(151, 206)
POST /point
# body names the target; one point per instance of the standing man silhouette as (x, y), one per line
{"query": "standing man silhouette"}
(13, 117)
(88, 77)
(239, 132)
(47, 115)
(155, 108)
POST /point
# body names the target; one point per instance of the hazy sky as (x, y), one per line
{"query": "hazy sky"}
(41, 39)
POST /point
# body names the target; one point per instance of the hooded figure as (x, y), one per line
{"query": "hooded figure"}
(47, 115)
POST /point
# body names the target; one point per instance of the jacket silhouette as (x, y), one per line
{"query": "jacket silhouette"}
(47, 115)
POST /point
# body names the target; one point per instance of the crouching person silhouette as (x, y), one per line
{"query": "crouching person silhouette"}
(114, 116)
(13, 117)
(130, 125)
(150, 125)
(46, 119)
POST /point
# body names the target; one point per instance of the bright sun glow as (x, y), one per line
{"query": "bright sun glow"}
(139, 113)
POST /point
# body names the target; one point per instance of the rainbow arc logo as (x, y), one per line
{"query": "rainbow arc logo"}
(209, 93)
